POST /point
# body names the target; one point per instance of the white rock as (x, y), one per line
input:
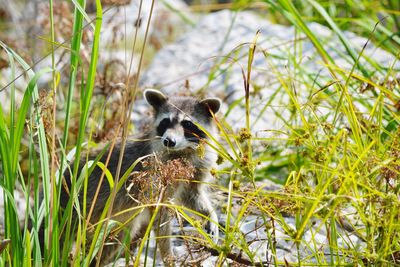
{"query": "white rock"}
(224, 36)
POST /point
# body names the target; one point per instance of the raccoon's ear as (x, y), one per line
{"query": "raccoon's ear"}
(211, 104)
(155, 98)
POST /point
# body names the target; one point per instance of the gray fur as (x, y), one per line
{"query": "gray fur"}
(193, 195)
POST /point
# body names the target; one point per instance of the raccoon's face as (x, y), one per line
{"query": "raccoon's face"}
(179, 121)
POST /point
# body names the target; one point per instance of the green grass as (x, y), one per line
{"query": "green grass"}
(338, 170)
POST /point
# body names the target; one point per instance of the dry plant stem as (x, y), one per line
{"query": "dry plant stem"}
(237, 257)
(101, 181)
(102, 177)
(252, 50)
(184, 239)
(128, 74)
(198, 261)
(63, 44)
(127, 110)
(233, 61)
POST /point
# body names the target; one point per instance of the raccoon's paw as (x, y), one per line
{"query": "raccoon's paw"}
(214, 231)
(213, 224)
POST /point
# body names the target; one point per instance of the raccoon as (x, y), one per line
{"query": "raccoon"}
(177, 132)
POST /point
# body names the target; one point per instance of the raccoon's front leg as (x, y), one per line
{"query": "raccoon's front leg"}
(199, 201)
(206, 208)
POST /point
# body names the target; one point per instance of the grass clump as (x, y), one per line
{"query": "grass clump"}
(335, 160)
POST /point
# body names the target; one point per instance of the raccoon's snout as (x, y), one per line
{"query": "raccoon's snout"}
(169, 142)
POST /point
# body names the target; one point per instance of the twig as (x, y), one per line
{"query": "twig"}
(237, 257)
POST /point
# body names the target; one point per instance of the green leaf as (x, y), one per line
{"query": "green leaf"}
(107, 173)
(26, 101)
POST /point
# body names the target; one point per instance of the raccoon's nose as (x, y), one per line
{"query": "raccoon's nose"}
(169, 142)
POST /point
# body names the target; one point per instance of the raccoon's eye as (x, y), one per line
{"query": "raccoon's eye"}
(163, 126)
(188, 125)
(192, 132)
